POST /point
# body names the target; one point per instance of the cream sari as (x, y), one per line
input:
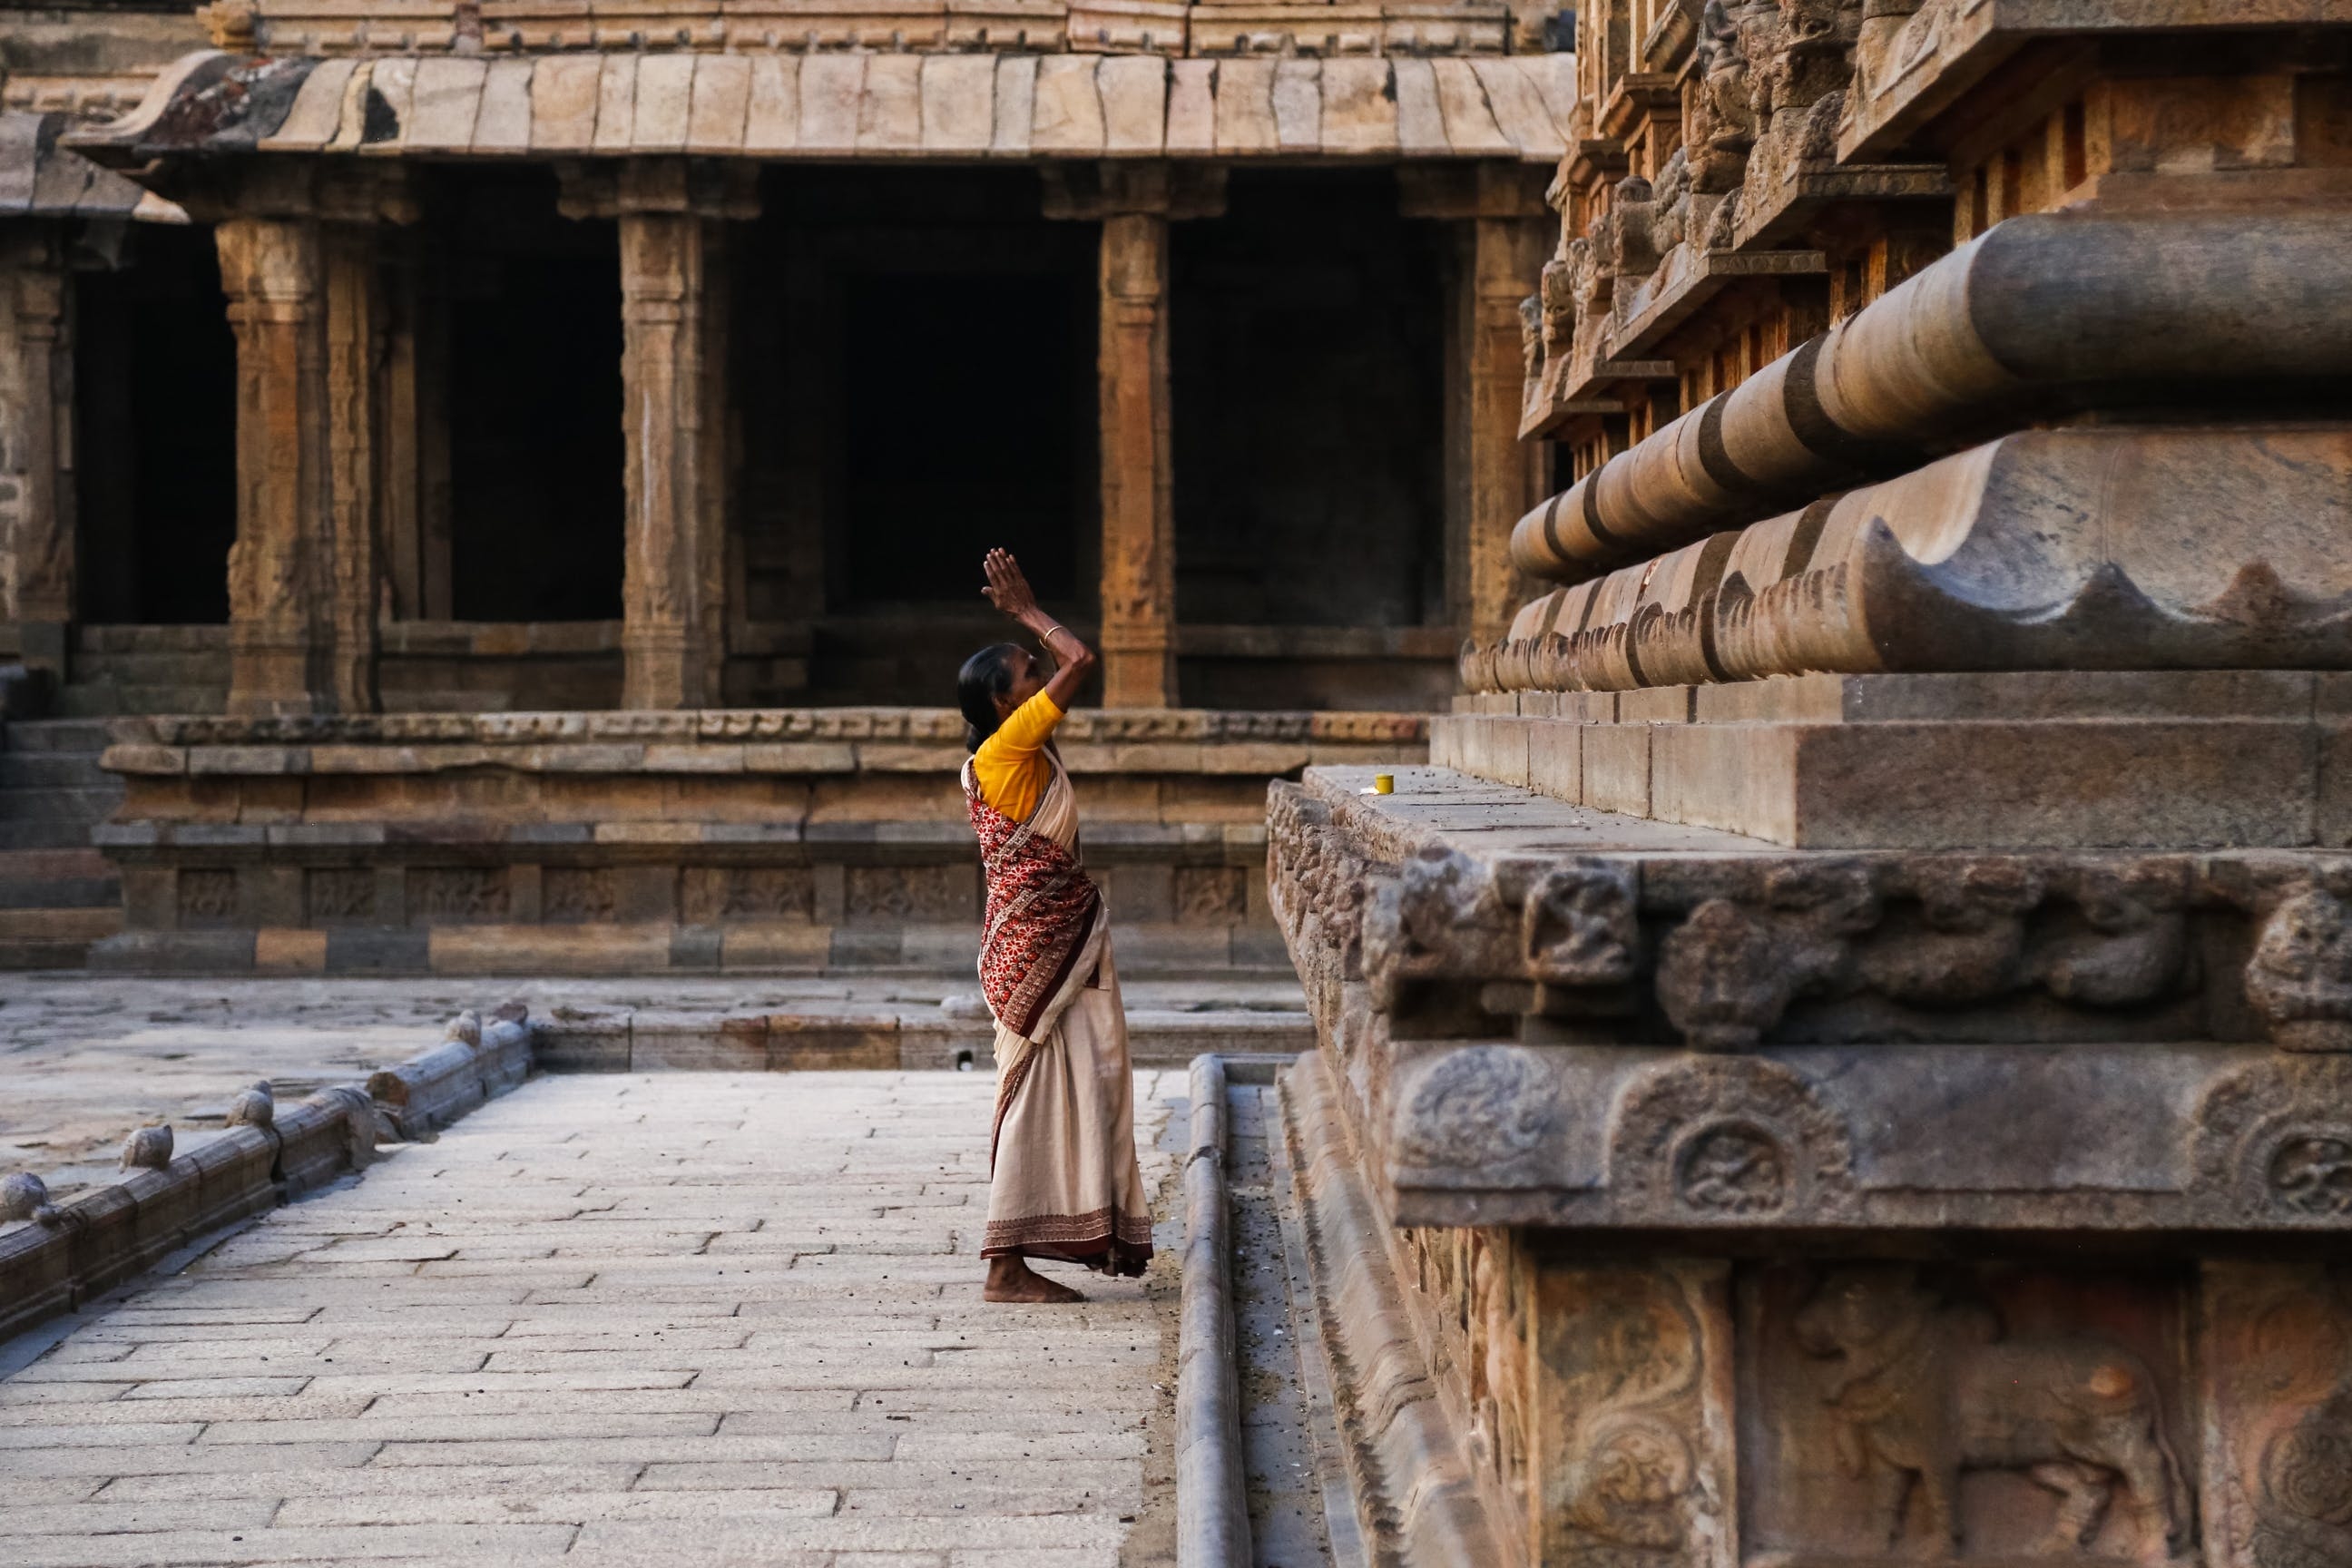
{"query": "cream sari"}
(1065, 1181)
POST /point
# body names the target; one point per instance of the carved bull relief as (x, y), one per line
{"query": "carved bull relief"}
(1982, 1415)
(1920, 1390)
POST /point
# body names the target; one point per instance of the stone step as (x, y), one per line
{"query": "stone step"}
(152, 670)
(54, 770)
(58, 863)
(82, 805)
(104, 699)
(43, 836)
(82, 925)
(55, 735)
(60, 892)
(102, 641)
(35, 953)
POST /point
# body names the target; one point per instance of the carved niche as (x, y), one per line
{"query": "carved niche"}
(1984, 1414)
(1726, 1140)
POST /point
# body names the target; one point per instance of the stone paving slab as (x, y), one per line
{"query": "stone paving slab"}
(443, 1363)
(86, 1058)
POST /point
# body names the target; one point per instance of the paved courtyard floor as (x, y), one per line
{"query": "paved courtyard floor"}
(84, 1059)
(677, 1319)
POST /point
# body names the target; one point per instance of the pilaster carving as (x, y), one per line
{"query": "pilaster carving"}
(33, 287)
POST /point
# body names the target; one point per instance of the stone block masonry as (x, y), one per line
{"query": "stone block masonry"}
(615, 1319)
(812, 840)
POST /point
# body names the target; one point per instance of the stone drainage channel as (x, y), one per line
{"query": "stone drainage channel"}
(1258, 1478)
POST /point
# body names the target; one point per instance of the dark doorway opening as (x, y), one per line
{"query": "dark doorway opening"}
(536, 492)
(915, 359)
(958, 404)
(155, 432)
(1308, 372)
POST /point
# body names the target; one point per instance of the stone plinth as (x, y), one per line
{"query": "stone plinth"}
(793, 840)
(2111, 759)
(1752, 1203)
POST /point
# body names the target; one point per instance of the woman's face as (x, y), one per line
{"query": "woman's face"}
(1029, 676)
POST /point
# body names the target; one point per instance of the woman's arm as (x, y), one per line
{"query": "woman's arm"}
(1008, 590)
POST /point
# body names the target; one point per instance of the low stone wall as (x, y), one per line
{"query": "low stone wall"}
(56, 1257)
(593, 842)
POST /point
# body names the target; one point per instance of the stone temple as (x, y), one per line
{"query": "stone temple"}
(1835, 516)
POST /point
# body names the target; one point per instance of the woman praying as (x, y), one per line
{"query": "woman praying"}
(1064, 1181)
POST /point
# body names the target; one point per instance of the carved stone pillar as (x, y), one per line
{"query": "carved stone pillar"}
(1139, 515)
(271, 269)
(33, 289)
(673, 633)
(1492, 476)
(299, 266)
(1135, 203)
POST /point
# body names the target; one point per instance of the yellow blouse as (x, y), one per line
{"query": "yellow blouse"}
(1011, 766)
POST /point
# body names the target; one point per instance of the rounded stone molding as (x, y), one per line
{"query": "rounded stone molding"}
(1728, 1140)
(1477, 1108)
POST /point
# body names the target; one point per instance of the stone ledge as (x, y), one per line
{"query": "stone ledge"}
(934, 726)
(1888, 784)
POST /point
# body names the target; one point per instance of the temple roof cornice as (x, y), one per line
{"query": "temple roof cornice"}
(852, 105)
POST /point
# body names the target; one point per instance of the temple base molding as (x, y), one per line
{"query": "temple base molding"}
(1674, 1197)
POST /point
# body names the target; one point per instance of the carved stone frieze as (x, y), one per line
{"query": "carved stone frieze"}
(1919, 1388)
(1446, 916)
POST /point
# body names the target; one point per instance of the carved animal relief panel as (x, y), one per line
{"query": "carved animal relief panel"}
(1979, 1413)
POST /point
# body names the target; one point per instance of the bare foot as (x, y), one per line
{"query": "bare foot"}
(1012, 1280)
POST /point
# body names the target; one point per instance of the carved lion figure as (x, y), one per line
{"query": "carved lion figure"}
(1922, 1390)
